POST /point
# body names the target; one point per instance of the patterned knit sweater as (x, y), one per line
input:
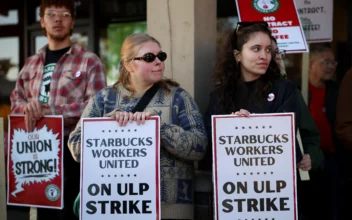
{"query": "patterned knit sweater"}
(182, 136)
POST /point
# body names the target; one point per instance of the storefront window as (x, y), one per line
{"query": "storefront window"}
(123, 11)
(9, 61)
(111, 42)
(223, 27)
(9, 58)
(9, 17)
(40, 41)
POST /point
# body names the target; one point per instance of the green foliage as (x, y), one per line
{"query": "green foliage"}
(116, 33)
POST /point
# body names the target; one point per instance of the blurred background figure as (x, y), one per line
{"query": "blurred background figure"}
(344, 133)
(279, 56)
(322, 100)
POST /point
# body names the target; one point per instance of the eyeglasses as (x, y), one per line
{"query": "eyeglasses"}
(150, 57)
(281, 53)
(54, 14)
(249, 23)
(327, 62)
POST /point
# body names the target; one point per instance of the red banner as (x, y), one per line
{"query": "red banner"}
(35, 163)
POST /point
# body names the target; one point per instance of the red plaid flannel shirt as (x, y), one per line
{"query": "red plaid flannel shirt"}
(78, 75)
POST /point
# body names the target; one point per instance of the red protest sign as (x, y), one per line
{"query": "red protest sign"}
(282, 19)
(35, 162)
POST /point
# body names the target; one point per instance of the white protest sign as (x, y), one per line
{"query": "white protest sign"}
(120, 170)
(316, 19)
(254, 167)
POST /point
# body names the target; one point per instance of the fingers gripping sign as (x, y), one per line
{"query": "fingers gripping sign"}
(242, 113)
(34, 111)
(123, 117)
(306, 163)
(140, 117)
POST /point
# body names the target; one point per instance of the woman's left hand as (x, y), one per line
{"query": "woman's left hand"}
(242, 112)
(306, 163)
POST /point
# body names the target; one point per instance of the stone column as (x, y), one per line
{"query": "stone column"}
(186, 30)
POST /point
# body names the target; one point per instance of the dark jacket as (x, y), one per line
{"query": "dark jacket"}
(344, 111)
(287, 99)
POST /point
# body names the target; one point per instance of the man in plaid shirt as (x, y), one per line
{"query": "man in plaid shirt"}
(58, 80)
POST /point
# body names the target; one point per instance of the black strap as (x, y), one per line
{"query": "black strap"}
(144, 101)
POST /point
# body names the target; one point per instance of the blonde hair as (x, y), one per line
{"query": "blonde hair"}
(129, 49)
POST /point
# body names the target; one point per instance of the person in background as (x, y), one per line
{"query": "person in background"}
(58, 80)
(182, 132)
(322, 101)
(344, 134)
(278, 55)
(247, 80)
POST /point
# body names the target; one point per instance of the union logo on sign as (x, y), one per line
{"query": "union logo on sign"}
(266, 6)
(52, 192)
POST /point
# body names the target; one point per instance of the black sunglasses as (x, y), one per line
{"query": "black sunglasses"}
(150, 57)
(250, 23)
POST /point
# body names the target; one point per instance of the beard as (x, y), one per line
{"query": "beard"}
(60, 36)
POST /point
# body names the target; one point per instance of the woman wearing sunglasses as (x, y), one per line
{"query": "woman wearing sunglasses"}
(182, 131)
(247, 80)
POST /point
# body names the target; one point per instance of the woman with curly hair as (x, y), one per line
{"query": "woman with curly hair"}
(247, 80)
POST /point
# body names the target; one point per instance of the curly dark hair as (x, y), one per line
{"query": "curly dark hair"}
(227, 76)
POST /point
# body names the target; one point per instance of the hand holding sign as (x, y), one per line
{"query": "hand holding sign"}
(242, 112)
(34, 111)
(306, 163)
(123, 117)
